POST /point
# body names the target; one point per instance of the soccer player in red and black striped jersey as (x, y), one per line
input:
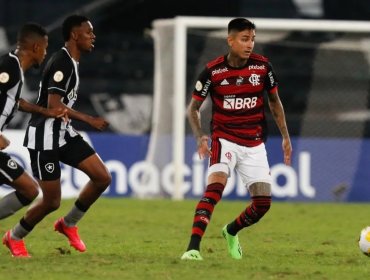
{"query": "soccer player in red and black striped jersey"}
(236, 83)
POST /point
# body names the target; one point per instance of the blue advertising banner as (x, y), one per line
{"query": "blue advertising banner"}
(322, 169)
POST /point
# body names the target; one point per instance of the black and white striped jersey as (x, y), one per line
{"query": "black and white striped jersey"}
(11, 81)
(61, 77)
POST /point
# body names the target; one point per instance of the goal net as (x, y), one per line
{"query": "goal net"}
(323, 68)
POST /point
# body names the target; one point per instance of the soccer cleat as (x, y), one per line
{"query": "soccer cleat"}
(192, 255)
(232, 244)
(71, 233)
(17, 247)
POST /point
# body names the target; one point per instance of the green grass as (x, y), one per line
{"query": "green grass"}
(144, 239)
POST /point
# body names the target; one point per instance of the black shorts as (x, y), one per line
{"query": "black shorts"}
(45, 164)
(9, 169)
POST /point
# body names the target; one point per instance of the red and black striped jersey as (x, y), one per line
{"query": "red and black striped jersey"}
(237, 96)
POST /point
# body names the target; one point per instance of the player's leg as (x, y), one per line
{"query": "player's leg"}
(100, 179)
(255, 173)
(46, 168)
(220, 164)
(81, 155)
(25, 187)
(260, 193)
(261, 200)
(203, 212)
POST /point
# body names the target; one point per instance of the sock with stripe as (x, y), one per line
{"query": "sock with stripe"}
(203, 213)
(251, 215)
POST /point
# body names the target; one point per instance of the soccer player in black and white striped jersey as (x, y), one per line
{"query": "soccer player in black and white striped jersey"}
(32, 42)
(51, 141)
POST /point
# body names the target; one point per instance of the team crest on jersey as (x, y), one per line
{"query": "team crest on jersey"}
(254, 79)
(4, 77)
(58, 76)
(49, 167)
(12, 164)
(198, 86)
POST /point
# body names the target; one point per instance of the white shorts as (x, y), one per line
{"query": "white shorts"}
(249, 162)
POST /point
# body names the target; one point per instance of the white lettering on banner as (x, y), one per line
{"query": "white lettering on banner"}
(145, 180)
(167, 179)
(198, 175)
(120, 172)
(290, 189)
(305, 174)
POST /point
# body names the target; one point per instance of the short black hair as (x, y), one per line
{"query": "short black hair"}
(30, 29)
(69, 23)
(240, 24)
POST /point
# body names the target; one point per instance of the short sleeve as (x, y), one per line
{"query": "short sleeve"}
(59, 75)
(9, 74)
(202, 85)
(271, 82)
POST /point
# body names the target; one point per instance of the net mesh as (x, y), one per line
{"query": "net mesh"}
(324, 78)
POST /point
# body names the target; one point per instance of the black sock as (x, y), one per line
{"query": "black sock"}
(194, 243)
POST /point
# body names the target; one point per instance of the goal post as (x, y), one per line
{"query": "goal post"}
(170, 89)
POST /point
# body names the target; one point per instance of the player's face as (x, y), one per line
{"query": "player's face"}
(40, 48)
(242, 43)
(85, 37)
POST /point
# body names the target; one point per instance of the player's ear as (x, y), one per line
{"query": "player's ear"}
(74, 34)
(35, 47)
(229, 40)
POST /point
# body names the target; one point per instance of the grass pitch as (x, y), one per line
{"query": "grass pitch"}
(144, 239)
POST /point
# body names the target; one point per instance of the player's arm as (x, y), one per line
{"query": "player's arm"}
(277, 111)
(55, 101)
(4, 142)
(193, 115)
(28, 107)
(200, 92)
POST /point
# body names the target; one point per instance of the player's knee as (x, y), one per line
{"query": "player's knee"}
(51, 205)
(106, 179)
(33, 193)
(28, 197)
(34, 189)
(102, 181)
(219, 168)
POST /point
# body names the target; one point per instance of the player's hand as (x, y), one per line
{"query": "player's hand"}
(203, 149)
(58, 113)
(99, 123)
(4, 142)
(287, 149)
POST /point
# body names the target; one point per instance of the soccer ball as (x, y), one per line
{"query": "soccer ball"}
(364, 241)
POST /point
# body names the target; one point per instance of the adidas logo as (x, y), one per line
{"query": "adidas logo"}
(224, 82)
